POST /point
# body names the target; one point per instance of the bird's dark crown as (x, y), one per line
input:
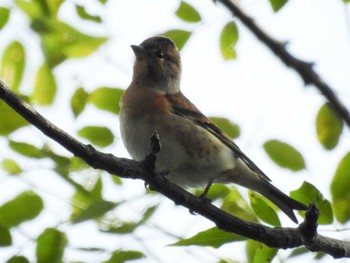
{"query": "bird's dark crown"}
(158, 43)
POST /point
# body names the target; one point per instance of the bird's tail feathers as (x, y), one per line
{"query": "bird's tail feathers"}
(258, 184)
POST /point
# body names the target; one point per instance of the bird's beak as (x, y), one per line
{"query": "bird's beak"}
(139, 51)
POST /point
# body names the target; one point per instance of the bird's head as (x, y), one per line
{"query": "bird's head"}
(158, 64)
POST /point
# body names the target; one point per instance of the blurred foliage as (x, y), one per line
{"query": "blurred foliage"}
(58, 42)
(329, 127)
(284, 155)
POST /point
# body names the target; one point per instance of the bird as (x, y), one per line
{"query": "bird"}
(194, 151)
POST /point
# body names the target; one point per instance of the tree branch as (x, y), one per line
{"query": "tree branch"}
(304, 69)
(306, 234)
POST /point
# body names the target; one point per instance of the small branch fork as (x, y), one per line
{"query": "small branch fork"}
(304, 69)
(306, 234)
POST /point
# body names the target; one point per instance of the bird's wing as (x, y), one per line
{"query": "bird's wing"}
(183, 107)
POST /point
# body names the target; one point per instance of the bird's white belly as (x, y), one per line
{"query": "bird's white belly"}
(190, 154)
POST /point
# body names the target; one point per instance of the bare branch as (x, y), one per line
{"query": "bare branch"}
(304, 69)
(305, 234)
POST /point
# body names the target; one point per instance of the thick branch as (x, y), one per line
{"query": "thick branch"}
(305, 234)
(304, 69)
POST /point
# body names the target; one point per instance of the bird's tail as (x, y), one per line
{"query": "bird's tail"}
(252, 180)
(284, 202)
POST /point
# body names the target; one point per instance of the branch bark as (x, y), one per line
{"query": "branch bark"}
(306, 234)
(304, 69)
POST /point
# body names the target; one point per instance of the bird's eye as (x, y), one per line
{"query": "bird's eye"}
(159, 54)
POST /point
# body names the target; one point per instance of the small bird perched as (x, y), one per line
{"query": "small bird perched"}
(194, 150)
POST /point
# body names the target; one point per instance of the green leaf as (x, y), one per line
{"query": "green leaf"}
(31, 8)
(148, 214)
(298, 252)
(235, 204)
(121, 256)
(179, 37)
(284, 155)
(10, 120)
(61, 41)
(95, 210)
(50, 246)
(100, 136)
(228, 40)
(45, 86)
(4, 16)
(340, 190)
(264, 211)
(11, 166)
(78, 101)
(85, 15)
(5, 237)
(26, 149)
(230, 128)
(188, 13)
(54, 6)
(12, 66)
(18, 259)
(107, 99)
(23, 207)
(329, 127)
(277, 4)
(259, 253)
(96, 191)
(212, 237)
(128, 227)
(307, 194)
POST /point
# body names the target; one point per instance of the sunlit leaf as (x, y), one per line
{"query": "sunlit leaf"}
(179, 37)
(10, 120)
(4, 16)
(298, 252)
(284, 155)
(340, 190)
(78, 101)
(61, 41)
(212, 237)
(235, 204)
(263, 210)
(5, 237)
(12, 65)
(107, 99)
(329, 127)
(307, 194)
(18, 259)
(95, 210)
(277, 4)
(45, 86)
(121, 256)
(85, 15)
(23, 207)
(259, 252)
(54, 6)
(50, 246)
(11, 166)
(228, 40)
(31, 8)
(129, 227)
(188, 13)
(100, 136)
(26, 149)
(230, 128)
(96, 191)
